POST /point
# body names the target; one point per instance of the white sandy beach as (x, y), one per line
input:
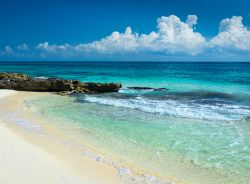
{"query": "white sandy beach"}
(5, 93)
(22, 162)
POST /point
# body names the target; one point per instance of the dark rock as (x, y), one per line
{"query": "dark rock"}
(148, 88)
(60, 85)
(102, 87)
(24, 82)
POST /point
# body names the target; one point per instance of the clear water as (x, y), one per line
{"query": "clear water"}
(198, 130)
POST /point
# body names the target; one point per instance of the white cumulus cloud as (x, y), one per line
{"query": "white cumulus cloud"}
(173, 36)
(116, 42)
(232, 35)
(192, 20)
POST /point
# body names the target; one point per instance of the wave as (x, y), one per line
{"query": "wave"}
(42, 77)
(194, 95)
(202, 94)
(194, 105)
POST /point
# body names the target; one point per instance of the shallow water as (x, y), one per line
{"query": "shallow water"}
(198, 130)
(164, 144)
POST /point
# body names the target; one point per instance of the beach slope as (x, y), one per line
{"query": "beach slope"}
(22, 162)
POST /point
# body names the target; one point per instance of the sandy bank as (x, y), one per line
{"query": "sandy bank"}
(5, 92)
(25, 162)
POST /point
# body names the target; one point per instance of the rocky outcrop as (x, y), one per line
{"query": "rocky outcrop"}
(101, 87)
(14, 76)
(22, 82)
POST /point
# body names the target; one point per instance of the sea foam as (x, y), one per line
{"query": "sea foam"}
(218, 111)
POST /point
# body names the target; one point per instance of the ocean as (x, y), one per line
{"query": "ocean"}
(198, 129)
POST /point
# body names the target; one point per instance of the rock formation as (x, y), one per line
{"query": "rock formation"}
(23, 82)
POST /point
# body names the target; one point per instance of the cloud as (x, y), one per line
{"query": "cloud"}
(8, 50)
(172, 37)
(22, 47)
(233, 35)
(176, 36)
(191, 20)
(53, 48)
(116, 42)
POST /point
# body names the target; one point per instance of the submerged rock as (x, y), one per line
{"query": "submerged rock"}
(23, 82)
(246, 119)
(148, 88)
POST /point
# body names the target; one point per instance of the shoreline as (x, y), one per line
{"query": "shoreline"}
(46, 162)
(78, 158)
(92, 164)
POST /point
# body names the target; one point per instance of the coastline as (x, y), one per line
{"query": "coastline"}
(69, 153)
(28, 158)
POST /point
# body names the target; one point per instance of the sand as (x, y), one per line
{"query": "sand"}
(25, 161)
(5, 93)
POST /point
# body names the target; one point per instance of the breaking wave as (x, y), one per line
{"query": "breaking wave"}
(195, 105)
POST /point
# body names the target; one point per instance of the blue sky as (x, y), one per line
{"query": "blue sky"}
(164, 30)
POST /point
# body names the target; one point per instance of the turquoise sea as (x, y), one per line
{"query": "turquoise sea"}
(196, 131)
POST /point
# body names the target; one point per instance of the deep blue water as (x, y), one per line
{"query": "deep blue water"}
(139, 73)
